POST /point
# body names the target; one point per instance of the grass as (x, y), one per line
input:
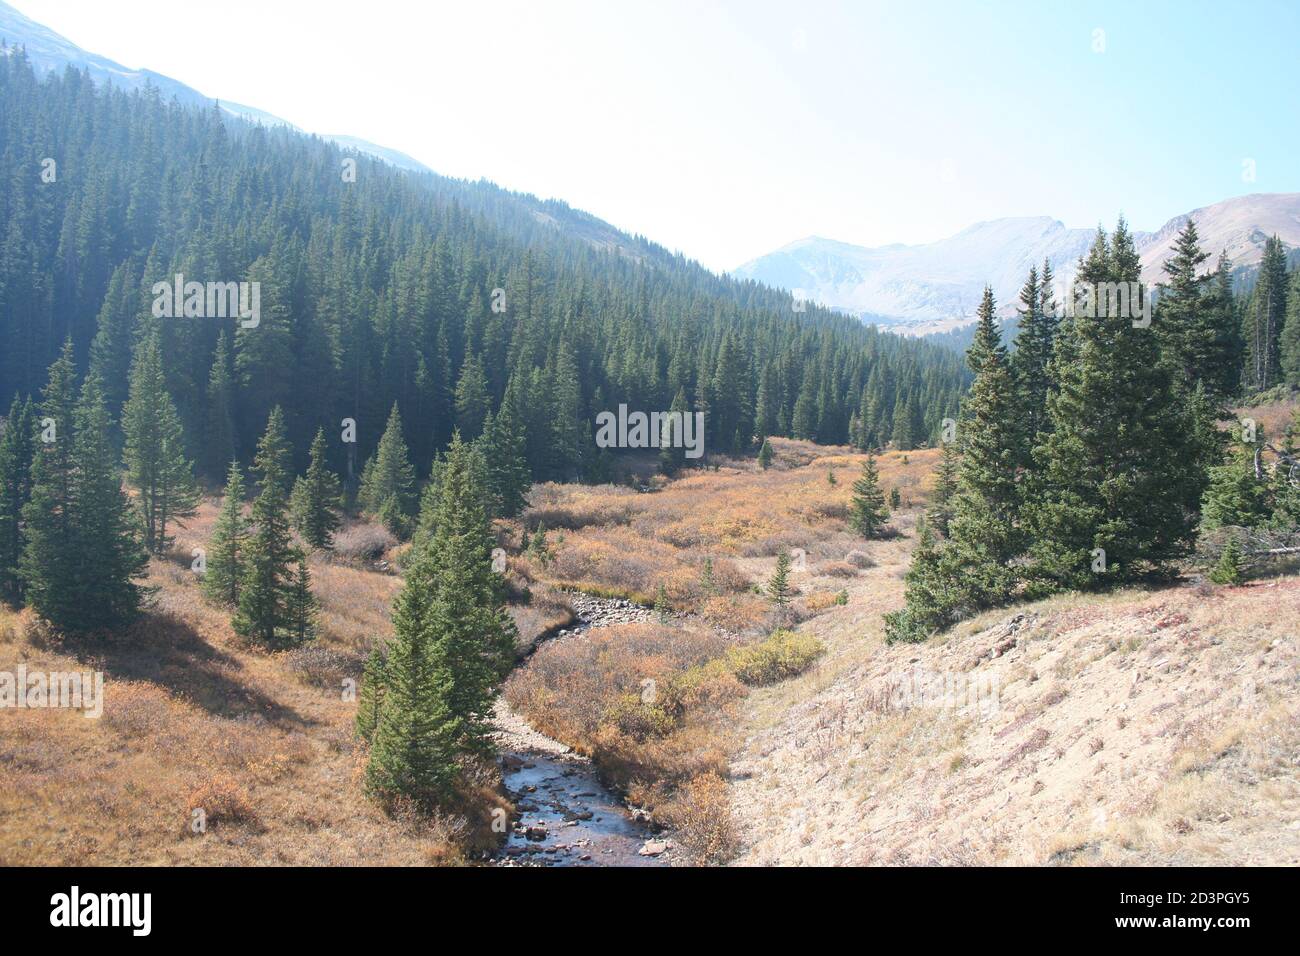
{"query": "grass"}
(624, 543)
(194, 719)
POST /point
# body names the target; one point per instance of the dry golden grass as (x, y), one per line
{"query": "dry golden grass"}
(193, 718)
(616, 541)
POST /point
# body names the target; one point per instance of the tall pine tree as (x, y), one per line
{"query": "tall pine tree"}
(155, 449)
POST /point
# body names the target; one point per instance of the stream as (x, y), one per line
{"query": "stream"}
(566, 816)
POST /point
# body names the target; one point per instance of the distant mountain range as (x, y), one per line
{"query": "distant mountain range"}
(48, 52)
(936, 287)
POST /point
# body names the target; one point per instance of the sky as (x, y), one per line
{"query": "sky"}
(726, 130)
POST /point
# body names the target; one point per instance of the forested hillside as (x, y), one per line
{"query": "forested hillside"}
(377, 287)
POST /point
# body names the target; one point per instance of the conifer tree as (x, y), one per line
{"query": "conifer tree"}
(1198, 336)
(904, 435)
(371, 697)
(49, 522)
(413, 744)
(155, 449)
(388, 485)
(945, 490)
(502, 447)
(983, 533)
(778, 587)
(472, 403)
(227, 549)
(765, 455)
(867, 511)
(1035, 341)
(933, 600)
(672, 446)
(315, 499)
(302, 606)
(265, 591)
(219, 445)
(466, 617)
(82, 552)
(663, 610)
(17, 453)
(1236, 496)
(1289, 344)
(1265, 317)
(1228, 570)
(1114, 489)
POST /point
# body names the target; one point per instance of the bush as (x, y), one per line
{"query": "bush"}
(222, 801)
(785, 654)
(700, 815)
(363, 542)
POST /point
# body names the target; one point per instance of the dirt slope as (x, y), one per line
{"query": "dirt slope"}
(1136, 728)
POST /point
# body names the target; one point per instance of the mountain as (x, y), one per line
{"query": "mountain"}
(49, 52)
(935, 287)
(1239, 226)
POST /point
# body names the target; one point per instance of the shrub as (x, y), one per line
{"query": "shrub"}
(700, 815)
(222, 801)
(363, 542)
(784, 654)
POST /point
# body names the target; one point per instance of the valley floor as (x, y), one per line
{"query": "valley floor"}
(1134, 728)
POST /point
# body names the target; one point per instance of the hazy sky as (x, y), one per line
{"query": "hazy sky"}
(728, 130)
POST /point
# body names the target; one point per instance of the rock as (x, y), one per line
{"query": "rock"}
(535, 833)
(653, 847)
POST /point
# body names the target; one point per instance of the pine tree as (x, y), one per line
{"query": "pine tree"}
(315, 499)
(1236, 496)
(472, 403)
(867, 511)
(983, 534)
(1228, 570)
(227, 549)
(264, 593)
(895, 498)
(934, 602)
(1035, 342)
(663, 610)
(1112, 481)
(155, 449)
(707, 583)
(1265, 317)
(388, 485)
(82, 552)
(301, 606)
(672, 446)
(371, 697)
(945, 490)
(17, 452)
(765, 455)
(503, 447)
(413, 744)
(1289, 344)
(904, 434)
(778, 587)
(1198, 336)
(466, 618)
(219, 445)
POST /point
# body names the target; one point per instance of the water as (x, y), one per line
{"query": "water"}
(573, 820)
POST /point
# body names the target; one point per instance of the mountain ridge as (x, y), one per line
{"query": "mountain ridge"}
(933, 287)
(49, 51)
